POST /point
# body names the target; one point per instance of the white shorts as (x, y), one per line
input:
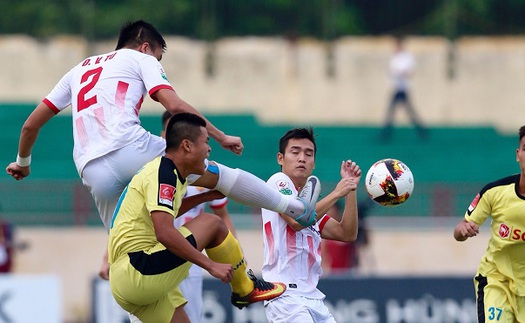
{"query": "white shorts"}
(107, 176)
(297, 309)
(191, 289)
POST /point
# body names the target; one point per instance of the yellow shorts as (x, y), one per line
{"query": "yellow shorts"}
(146, 283)
(496, 303)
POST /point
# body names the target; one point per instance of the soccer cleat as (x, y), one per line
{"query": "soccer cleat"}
(262, 291)
(309, 195)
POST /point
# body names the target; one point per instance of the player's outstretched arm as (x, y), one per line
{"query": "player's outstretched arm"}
(175, 242)
(38, 118)
(174, 104)
(190, 202)
(346, 229)
(465, 230)
(350, 176)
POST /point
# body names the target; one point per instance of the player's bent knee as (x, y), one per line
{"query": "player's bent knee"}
(207, 223)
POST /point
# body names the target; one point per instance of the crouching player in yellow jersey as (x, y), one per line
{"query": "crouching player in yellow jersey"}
(149, 258)
(500, 280)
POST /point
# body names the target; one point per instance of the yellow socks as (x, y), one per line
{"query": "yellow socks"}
(229, 252)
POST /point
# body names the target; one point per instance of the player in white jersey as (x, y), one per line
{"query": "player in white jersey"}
(105, 93)
(292, 252)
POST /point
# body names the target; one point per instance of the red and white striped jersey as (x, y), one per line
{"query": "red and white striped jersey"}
(292, 257)
(105, 93)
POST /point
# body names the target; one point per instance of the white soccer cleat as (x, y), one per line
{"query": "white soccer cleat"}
(309, 195)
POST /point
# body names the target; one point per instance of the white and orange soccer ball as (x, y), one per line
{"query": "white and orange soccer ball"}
(389, 182)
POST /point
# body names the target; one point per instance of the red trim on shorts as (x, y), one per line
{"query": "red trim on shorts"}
(51, 106)
(159, 87)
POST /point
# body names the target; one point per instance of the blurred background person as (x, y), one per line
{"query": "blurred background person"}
(401, 68)
(8, 245)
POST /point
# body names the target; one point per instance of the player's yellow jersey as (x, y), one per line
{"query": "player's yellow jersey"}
(156, 187)
(505, 255)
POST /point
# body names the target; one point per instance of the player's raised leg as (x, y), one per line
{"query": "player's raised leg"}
(250, 190)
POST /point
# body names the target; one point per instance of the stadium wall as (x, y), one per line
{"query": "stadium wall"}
(472, 81)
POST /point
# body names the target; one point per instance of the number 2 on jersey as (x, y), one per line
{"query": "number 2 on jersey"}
(91, 77)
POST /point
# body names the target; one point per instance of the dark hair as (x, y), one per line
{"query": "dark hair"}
(133, 34)
(183, 126)
(297, 133)
(165, 117)
(522, 132)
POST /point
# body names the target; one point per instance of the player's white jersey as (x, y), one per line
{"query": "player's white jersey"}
(292, 257)
(105, 93)
(192, 213)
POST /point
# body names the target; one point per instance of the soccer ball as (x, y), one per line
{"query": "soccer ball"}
(389, 182)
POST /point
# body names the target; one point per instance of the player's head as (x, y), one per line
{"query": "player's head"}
(521, 132)
(135, 34)
(165, 117)
(297, 133)
(183, 126)
(297, 154)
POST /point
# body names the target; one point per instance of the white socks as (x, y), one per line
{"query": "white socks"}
(250, 190)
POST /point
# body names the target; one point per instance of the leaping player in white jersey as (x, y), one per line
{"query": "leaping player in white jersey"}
(292, 252)
(105, 93)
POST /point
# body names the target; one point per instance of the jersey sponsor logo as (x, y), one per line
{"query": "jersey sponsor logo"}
(504, 230)
(474, 203)
(163, 74)
(166, 193)
(518, 235)
(509, 233)
(283, 188)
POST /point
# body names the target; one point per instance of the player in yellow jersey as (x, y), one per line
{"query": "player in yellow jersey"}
(149, 258)
(500, 280)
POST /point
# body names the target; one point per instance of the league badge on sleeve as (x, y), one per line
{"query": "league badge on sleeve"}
(166, 193)
(283, 187)
(473, 204)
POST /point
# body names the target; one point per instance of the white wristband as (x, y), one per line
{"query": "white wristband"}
(23, 161)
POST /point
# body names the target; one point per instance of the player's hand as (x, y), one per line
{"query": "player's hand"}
(18, 172)
(468, 229)
(224, 272)
(351, 172)
(233, 144)
(104, 270)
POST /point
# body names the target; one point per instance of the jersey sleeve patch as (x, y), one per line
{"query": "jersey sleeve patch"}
(283, 187)
(473, 204)
(166, 194)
